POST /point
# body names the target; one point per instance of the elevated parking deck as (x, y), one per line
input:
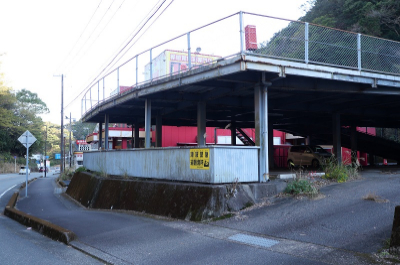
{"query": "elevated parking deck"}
(300, 78)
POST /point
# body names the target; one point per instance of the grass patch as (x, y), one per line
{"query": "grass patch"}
(341, 172)
(301, 187)
(222, 217)
(384, 255)
(66, 175)
(80, 169)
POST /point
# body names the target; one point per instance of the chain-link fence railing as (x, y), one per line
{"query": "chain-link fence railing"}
(251, 34)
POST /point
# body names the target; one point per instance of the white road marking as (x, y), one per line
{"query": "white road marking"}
(1, 195)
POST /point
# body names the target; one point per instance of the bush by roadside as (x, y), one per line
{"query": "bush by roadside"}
(341, 172)
(68, 173)
(308, 183)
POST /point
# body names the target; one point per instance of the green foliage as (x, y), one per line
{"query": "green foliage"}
(300, 186)
(66, 175)
(378, 18)
(80, 169)
(19, 112)
(341, 172)
(81, 130)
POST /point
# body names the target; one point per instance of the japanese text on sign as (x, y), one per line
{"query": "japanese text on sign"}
(199, 158)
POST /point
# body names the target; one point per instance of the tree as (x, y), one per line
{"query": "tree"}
(27, 109)
(379, 18)
(19, 112)
(7, 120)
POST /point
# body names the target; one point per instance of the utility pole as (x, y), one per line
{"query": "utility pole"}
(70, 149)
(45, 154)
(70, 145)
(62, 125)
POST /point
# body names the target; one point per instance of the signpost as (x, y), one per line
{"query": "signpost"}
(27, 139)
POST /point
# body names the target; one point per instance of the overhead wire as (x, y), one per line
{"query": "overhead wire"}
(153, 10)
(101, 31)
(141, 34)
(119, 52)
(84, 29)
(88, 38)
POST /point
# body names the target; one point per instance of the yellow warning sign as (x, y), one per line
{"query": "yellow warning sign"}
(199, 158)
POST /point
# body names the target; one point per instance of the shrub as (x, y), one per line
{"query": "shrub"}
(66, 175)
(341, 172)
(301, 186)
(80, 169)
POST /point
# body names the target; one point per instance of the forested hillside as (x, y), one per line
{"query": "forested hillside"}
(380, 18)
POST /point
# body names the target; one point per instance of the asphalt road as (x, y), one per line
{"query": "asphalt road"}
(20, 245)
(121, 238)
(341, 228)
(10, 183)
(342, 219)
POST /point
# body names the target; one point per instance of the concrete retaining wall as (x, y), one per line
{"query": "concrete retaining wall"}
(173, 199)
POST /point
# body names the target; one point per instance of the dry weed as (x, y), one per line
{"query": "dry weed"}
(373, 197)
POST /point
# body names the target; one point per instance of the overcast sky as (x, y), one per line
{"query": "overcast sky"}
(45, 38)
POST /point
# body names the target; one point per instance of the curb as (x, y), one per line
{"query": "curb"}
(44, 227)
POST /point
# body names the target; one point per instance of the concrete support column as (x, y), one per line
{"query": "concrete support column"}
(336, 131)
(137, 138)
(233, 130)
(100, 136)
(159, 130)
(106, 125)
(133, 135)
(271, 145)
(353, 136)
(147, 123)
(261, 128)
(371, 159)
(201, 123)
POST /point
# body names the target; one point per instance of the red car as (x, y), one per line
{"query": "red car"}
(41, 169)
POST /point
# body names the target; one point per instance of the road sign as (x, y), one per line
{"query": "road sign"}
(27, 139)
(57, 156)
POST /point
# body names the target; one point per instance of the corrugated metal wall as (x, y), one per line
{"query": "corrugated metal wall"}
(227, 163)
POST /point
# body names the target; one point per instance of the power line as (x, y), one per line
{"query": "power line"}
(142, 34)
(130, 40)
(125, 45)
(148, 16)
(87, 39)
(80, 35)
(98, 35)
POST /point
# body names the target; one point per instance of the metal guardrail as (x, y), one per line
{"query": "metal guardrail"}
(276, 38)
